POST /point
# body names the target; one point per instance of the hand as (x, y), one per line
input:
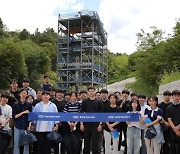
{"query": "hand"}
(178, 133)
(99, 128)
(26, 112)
(112, 129)
(128, 122)
(148, 125)
(82, 127)
(28, 129)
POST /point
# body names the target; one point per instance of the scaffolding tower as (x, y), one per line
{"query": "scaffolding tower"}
(82, 51)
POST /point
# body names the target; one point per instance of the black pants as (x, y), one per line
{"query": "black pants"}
(43, 144)
(123, 128)
(167, 146)
(175, 143)
(91, 135)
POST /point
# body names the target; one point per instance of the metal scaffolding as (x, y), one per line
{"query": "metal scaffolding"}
(82, 51)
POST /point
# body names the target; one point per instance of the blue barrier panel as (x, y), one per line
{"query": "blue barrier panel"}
(83, 117)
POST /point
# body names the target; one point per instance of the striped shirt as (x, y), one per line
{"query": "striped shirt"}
(72, 107)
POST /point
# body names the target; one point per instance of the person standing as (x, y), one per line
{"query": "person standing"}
(111, 127)
(21, 123)
(166, 148)
(173, 114)
(154, 145)
(43, 128)
(142, 102)
(39, 97)
(6, 116)
(46, 85)
(25, 84)
(91, 129)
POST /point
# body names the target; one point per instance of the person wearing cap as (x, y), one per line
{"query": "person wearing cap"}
(25, 84)
(46, 85)
(164, 105)
(143, 104)
(21, 123)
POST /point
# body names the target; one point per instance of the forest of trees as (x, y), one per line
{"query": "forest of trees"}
(32, 55)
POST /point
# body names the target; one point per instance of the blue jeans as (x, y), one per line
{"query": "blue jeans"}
(133, 140)
(17, 138)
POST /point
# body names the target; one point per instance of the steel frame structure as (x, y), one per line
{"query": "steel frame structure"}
(82, 44)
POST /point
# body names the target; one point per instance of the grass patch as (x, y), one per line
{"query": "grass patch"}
(170, 77)
(141, 87)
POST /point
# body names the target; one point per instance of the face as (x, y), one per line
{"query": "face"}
(152, 103)
(118, 96)
(104, 96)
(30, 99)
(73, 97)
(68, 98)
(14, 85)
(59, 95)
(176, 98)
(98, 96)
(52, 93)
(112, 99)
(4, 100)
(39, 95)
(25, 84)
(47, 80)
(45, 97)
(141, 101)
(23, 94)
(134, 105)
(125, 96)
(91, 92)
(83, 96)
(134, 97)
(167, 98)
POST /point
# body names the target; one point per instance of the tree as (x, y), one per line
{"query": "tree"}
(24, 34)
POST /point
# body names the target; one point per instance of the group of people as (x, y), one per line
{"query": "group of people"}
(94, 137)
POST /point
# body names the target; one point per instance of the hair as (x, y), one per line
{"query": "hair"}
(104, 91)
(125, 91)
(134, 100)
(167, 93)
(5, 95)
(21, 90)
(46, 93)
(82, 92)
(97, 92)
(117, 92)
(67, 93)
(89, 88)
(14, 80)
(154, 98)
(142, 96)
(114, 95)
(45, 76)
(74, 93)
(59, 91)
(39, 90)
(30, 96)
(52, 89)
(133, 94)
(26, 80)
(175, 92)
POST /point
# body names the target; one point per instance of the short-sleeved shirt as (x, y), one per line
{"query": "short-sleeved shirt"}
(110, 110)
(173, 112)
(59, 104)
(164, 107)
(153, 113)
(21, 122)
(6, 113)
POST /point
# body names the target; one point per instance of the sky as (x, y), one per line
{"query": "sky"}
(122, 19)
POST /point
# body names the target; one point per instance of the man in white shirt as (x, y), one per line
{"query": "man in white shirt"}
(6, 111)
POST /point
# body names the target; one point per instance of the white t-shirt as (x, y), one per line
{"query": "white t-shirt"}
(143, 107)
(6, 113)
(43, 126)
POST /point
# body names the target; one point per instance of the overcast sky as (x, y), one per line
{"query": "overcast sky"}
(122, 18)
